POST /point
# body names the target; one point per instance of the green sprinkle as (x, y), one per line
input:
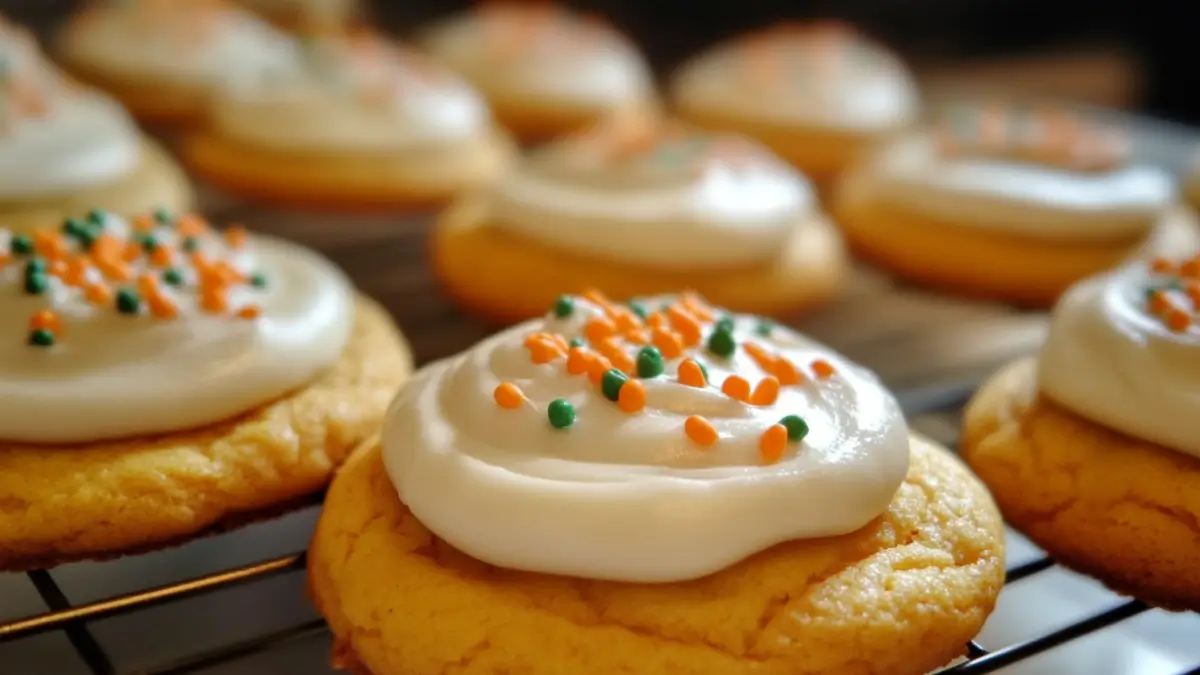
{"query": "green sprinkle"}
(577, 342)
(703, 371)
(561, 413)
(764, 328)
(191, 244)
(258, 280)
(149, 243)
(163, 216)
(564, 306)
(721, 343)
(97, 217)
(797, 428)
(611, 383)
(35, 266)
(172, 276)
(36, 283)
(41, 338)
(128, 301)
(73, 227)
(639, 309)
(725, 324)
(649, 362)
(21, 244)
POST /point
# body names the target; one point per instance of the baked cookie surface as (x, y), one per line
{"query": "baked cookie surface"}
(1118, 508)
(840, 605)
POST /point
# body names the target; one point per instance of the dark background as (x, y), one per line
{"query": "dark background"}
(1150, 45)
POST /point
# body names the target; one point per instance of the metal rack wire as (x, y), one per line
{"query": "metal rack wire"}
(73, 620)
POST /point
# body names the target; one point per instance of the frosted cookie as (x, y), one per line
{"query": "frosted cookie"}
(160, 380)
(1092, 449)
(1011, 203)
(65, 148)
(817, 94)
(163, 58)
(641, 206)
(545, 69)
(357, 123)
(692, 492)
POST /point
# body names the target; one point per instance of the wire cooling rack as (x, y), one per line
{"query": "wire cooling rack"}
(73, 620)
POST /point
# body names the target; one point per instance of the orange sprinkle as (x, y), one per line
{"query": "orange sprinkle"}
(76, 273)
(637, 336)
(213, 300)
(99, 294)
(4, 259)
(49, 244)
(508, 396)
(624, 318)
(597, 298)
(787, 373)
(823, 369)
(1190, 269)
(765, 359)
(668, 342)
(691, 374)
(249, 312)
(700, 431)
(597, 368)
(772, 443)
(162, 307)
(235, 236)
(599, 329)
(559, 341)
(697, 306)
(131, 252)
(162, 256)
(105, 247)
(1178, 320)
(685, 324)
(766, 393)
(45, 320)
(58, 268)
(1160, 303)
(577, 360)
(1162, 266)
(656, 320)
(143, 223)
(1193, 292)
(543, 352)
(117, 271)
(613, 352)
(191, 225)
(736, 388)
(632, 397)
(148, 285)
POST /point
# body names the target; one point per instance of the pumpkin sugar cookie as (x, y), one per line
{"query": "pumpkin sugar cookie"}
(545, 69)
(65, 148)
(749, 502)
(160, 379)
(639, 205)
(1091, 448)
(817, 93)
(355, 123)
(1009, 203)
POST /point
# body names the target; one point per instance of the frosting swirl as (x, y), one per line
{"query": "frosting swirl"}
(1124, 351)
(54, 135)
(351, 93)
(598, 444)
(647, 192)
(116, 329)
(821, 74)
(533, 51)
(197, 43)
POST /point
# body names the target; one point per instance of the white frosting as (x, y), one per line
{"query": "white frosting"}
(807, 78)
(681, 201)
(542, 54)
(627, 496)
(115, 375)
(193, 43)
(1033, 200)
(55, 136)
(1111, 360)
(351, 94)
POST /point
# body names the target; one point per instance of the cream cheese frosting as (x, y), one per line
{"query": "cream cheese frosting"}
(353, 93)
(54, 135)
(535, 52)
(598, 444)
(656, 194)
(117, 329)
(1124, 352)
(816, 75)
(197, 43)
(1003, 189)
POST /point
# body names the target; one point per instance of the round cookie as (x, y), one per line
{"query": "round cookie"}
(164, 60)
(221, 382)
(668, 552)
(544, 69)
(817, 94)
(1090, 449)
(639, 206)
(1010, 204)
(356, 123)
(65, 148)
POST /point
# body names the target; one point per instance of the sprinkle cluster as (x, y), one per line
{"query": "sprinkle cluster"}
(621, 141)
(1049, 136)
(128, 271)
(629, 343)
(1174, 297)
